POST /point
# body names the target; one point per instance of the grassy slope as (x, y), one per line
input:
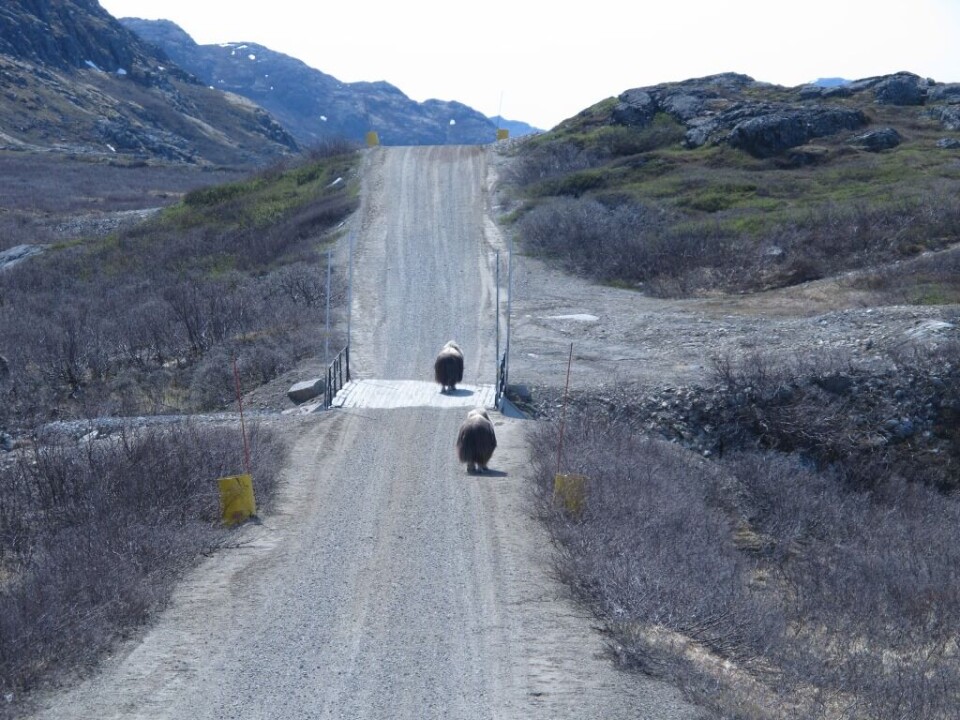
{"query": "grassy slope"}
(788, 222)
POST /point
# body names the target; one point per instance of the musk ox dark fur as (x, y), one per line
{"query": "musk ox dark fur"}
(476, 440)
(448, 367)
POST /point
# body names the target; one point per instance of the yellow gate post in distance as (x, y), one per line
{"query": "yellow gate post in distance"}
(237, 503)
(372, 138)
(503, 134)
(570, 492)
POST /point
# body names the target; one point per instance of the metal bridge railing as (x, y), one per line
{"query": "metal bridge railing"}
(338, 375)
(501, 381)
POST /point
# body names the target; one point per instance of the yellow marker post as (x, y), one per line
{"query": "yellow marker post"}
(237, 503)
(503, 134)
(372, 139)
(570, 492)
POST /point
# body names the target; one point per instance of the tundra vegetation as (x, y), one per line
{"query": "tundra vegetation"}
(142, 319)
(630, 206)
(782, 541)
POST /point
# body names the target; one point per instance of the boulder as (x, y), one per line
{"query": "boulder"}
(635, 108)
(716, 128)
(775, 132)
(901, 89)
(945, 93)
(948, 143)
(877, 140)
(948, 115)
(305, 390)
(690, 102)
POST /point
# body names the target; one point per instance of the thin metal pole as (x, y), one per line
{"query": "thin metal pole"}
(326, 334)
(563, 414)
(350, 299)
(243, 429)
(496, 358)
(506, 351)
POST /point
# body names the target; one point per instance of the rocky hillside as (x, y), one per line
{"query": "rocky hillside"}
(723, 183)
(73, 79)
(315, 106)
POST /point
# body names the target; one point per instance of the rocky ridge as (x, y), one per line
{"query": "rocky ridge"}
(767, 120)
(315, 106)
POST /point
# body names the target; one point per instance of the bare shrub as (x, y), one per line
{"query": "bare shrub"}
(123, 324)
(547, 161)
(760, 581)
(865, 423)
(626, 242)
(650, 536)
(330, 147)
(93, 535)
(932, 278)
(258, 247)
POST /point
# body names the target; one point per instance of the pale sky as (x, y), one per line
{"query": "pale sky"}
(542, 62)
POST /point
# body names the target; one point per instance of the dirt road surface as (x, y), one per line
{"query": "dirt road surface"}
(388, 583)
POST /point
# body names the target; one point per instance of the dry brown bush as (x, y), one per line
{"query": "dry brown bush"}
(766, 587)
(93, 534)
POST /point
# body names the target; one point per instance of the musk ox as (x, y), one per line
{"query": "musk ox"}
(448, 367)
(476, 440)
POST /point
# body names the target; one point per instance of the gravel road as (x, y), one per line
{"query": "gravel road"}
(389, 584)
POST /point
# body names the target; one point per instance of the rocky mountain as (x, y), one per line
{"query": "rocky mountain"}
(313, 105)
(73, 79)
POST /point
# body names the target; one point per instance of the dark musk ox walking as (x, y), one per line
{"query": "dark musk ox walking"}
(448, 367)
(476, 440)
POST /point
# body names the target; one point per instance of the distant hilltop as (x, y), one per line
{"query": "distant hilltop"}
(831, 82)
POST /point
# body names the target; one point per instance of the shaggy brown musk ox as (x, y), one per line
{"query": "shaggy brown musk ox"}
(476, 440)
(448, 367)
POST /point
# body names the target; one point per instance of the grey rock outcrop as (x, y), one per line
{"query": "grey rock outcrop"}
(724, 108)
(767, 120)
(877, 140)
(944, 93)
(771, 134)
(18, 253)
(948, 143)
(901, 89)
(948, 115)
